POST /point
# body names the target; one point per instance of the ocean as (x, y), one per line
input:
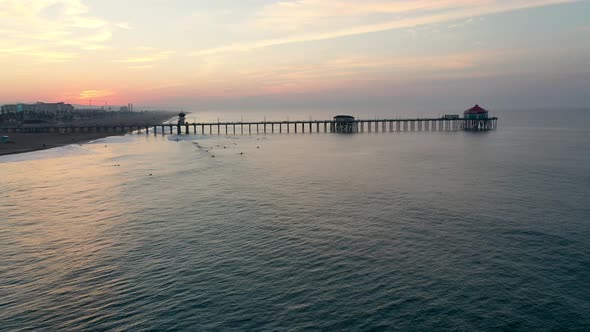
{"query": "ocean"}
(420, 231)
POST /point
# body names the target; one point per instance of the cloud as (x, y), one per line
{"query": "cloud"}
(123, 25)
(90, 94)
(166, 84)
(41, 55)
(140, 67)
(153, 55)
(345, 71)
(464, 23)
(315, 20)
(53, 27)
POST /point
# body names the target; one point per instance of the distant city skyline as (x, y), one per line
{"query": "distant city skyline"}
(305, 53)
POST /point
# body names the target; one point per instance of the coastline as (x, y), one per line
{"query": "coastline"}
(29, 142)
(42, 141)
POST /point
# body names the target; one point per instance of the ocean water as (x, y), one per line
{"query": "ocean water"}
(384, 231)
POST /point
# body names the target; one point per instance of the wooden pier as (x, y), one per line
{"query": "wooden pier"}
(276, 127)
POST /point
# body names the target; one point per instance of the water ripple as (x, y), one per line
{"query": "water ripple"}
(297, 235)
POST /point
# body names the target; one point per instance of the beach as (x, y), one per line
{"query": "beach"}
(38, 141)
(27, 142)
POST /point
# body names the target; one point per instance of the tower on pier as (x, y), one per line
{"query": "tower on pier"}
(181, 118)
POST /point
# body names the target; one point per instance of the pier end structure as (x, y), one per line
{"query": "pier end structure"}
(344, 124)
(477, 118)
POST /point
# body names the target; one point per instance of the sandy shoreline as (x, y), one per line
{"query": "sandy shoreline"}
(27, 142)
(36, 141)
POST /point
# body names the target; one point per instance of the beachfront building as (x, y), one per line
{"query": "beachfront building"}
(35, 112)
(41, 107)
(55, 108)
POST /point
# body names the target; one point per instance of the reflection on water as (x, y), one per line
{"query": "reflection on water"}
(309, 231)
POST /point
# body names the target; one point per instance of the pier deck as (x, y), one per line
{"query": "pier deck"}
(272, 127)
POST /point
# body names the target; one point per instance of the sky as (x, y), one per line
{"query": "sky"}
(419, 54)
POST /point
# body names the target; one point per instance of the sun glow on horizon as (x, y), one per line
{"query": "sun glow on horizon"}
(82, 50)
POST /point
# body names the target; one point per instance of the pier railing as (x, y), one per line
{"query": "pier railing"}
(274, 127)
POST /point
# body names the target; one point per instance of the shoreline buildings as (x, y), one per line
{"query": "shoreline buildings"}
(37, 112)
(38, 107)
(51, 113)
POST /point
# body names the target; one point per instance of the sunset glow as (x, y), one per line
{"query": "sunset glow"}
(200, 52)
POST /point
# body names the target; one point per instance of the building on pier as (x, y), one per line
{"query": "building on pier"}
(344, 124)
(476, 118)
(476, 113)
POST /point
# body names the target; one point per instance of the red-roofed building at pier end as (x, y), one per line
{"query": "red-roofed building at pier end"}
(476, 113)
(477, 118)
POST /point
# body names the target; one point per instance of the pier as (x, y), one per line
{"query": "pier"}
(337, 125)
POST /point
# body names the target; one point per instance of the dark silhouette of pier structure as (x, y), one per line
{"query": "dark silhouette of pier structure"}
(339, 124)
